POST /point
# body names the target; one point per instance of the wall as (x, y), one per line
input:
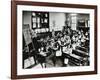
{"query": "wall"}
(73, 22)
(5, 40)
(83, 16)
(27, 18)
(56, 21)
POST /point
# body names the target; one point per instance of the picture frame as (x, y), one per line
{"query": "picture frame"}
(17, 8)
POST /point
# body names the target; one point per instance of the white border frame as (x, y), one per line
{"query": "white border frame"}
(21, 71)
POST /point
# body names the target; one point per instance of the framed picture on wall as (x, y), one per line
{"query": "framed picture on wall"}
(53, 39)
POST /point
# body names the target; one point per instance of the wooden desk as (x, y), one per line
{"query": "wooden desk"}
(80, 53)
(82, 48)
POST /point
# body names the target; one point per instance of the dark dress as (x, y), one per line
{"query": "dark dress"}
(36, 47)
(36, 44)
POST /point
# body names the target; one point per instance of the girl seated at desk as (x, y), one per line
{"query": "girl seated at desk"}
(66, 49)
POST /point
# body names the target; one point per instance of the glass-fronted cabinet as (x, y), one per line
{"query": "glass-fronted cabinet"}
(40, 20)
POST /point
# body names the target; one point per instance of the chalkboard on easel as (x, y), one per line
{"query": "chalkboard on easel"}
(26, 34)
